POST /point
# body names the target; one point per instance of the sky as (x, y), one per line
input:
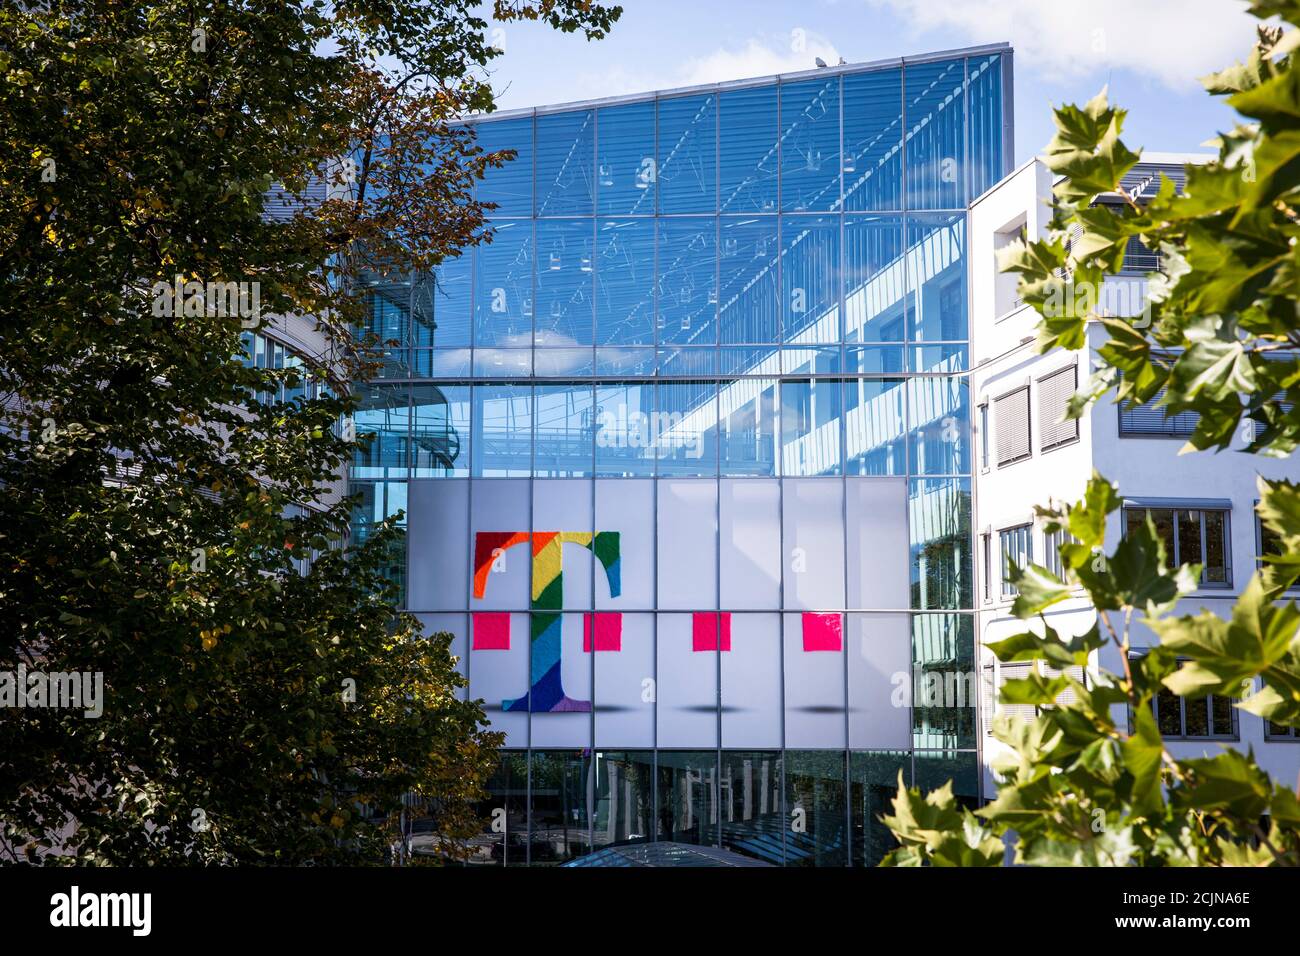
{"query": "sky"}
(1150, 53)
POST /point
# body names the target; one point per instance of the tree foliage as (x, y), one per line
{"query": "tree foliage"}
(1090, 781)
(156, 507)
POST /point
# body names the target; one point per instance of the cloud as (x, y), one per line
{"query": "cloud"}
(1172, 41)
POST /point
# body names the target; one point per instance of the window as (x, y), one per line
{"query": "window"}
(1147, 420)
(1209, 717)
(986, 543)
(984, 436)
(1054, 393)
(1052, 542)
(1019, 671)
(1138, 259)
(1280, 732)
(1018, 546)
(1012, 414)
(1191, 536)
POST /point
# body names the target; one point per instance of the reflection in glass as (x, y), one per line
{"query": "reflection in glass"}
(685, 428)
(944, 680)
(503, 426)
(873, 782)
(625, 161)
(504, 838)
(936, 276)
(624, 440)
(747, 311)
(939, 525)
(814, 807)
(934, 768)
(559, 799)
(985, 86)
(810, 423)
(810, 279)
(874, 432)
(565, 290)
(564, 425)
(379, 501)
(503, 286)
(688, 292)
(873, 141)
(688, 158)
(440, 431)
(747, 145)
(875, 279)
(566, 144)
(624, 807)
(450, 293)
(747, 416)
(810, 145)
(625, 269)
(382, 420)
(511, 186)
(752, 821)
(935, 104)
(940, 420)
(688, 796)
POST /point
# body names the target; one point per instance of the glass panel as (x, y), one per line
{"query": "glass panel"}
(1197, 713)
(1169, 715)
(504, 838)
(625, 268)
(559, 800)
(688, 292)
(381, 500)
(503, 290)
(689, 361)
(1162, 518)
(752, 823)
(985, 85)
(625, 161)
(502, 440)
(875, 279)
(936, 278)
(944, 680)
(939, 411)
(382, 414)
(747, 146)
(810, 279)
(440, 431)
(935, 130)
(566, 144)
(624, 808)
(873, 427)
(815, 808)
(503, 363)
(563, 426)
(562, 363)
(747, 416)
(688, 796)
(388, 312)
(564, 282)
(935, 768)
(950, 358)
(624, 436)
(688, 159)
(748, 279)
(810, 145)
(873, 140)
(511, 186)
(939, 523)
(440, 363)
(685, 428)
(1216, 538)
(873, 782)
(1221, 715)
(452, 301)
(625, 361)
(810, 426)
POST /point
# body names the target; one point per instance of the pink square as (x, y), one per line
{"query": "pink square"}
(822, 632)
(609, 632)
(705, 630)
(491, 631)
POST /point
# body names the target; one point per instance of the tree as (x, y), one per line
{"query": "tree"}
(1220, 338)
(169, 517)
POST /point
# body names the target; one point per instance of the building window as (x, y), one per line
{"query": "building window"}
(1211, 717)
(1146, 421)
(1054, 393)
(986, 555)
(1138, 259)
(1019, 671)
(1018, 546)
(1280, 732)
(984, 436)
(1012, 414)
(1191, 536)
(1052, 542)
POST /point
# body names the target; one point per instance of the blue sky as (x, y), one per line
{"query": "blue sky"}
(1149, 52)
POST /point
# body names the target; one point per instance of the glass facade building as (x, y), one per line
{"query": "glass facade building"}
(685, 457)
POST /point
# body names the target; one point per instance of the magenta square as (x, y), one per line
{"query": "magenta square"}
(491, 631)
(822, 632)
(705, 630)
(609, 632)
